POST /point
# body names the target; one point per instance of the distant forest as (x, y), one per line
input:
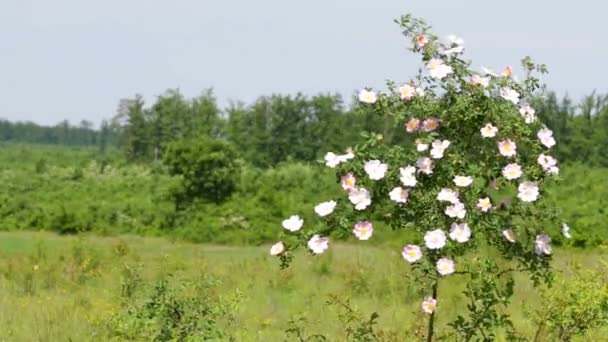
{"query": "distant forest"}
(279, 128)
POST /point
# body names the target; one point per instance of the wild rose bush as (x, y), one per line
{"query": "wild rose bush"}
(473, 179)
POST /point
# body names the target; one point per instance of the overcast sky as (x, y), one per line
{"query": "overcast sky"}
(74, 59)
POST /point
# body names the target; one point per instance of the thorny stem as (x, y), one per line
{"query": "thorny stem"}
(429, 335)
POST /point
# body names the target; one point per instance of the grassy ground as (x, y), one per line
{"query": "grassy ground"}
(85, 288)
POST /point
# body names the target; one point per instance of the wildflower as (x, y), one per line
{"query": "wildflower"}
(507, 148)
(528, 113)
(460, 232)
(448, 195)
(566, 231)
(478, 80)
(332, 160)
(484, 204)
(420, 91)
(407, 92)
(408, 177)
(368, 96)
(509, 94)
(542, 245)
(438, 69)
(293, 223)
(348, 181)
(411, 253)
(487, 71)
(509, 235)
(507, 72)
(360, 198)
(445, 266)
(512, 171)
(277, 248)
(363, 230)
(399, 194)
(375, 169)
(430, 124)
(548, 164)
(489, 131)
(545, 136)
(435, 239)
(528, 191)
(412, 125)
(429, 305)
(420, 147)
(325, 208)
(438, 147)
(421, 41)
(318, 244)
(425, 165)
(456, 210)
(463, 181)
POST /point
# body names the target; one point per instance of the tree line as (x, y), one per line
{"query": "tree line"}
(279, 128)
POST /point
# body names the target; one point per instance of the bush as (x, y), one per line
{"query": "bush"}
(209, 169)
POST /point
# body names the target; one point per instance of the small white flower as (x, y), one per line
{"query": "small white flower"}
(318, 244)
(507, 148)
(408, 177)
(430, 124)
(512, 171)
(346, 157)
(293, 223)
(528, 113)
(448, 195)
(438, 69)
(545, 136)
(489, 131)
(460, 232)
(438, 147)
(566, 231)
(277, 248)
(509, 235)
(542, 244)
(425, 165)
(435, 239)
(348, 182)
(455, 40)
(360, 198)
(478, 80)
(368, 96)
(548, 164)
(421, 41)
(445, 266)
(487, 71)
(363, 230)
(399, 194)
(422, 147)
(407, 92)
(411, 253)
(463, 181)
(325, 208)
(332, 160)
(375, 169)
(528, 191)
(429, 305)
(420, 91)
(509, 95)
(484, 204)
(553, 170)
(456, 210)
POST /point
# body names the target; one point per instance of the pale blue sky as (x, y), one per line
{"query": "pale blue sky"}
(75, 59)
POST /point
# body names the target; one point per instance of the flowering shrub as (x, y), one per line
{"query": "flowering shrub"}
(473, 179)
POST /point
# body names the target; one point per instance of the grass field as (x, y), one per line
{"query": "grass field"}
(55, 288)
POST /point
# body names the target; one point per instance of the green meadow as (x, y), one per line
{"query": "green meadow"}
(129, 288)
